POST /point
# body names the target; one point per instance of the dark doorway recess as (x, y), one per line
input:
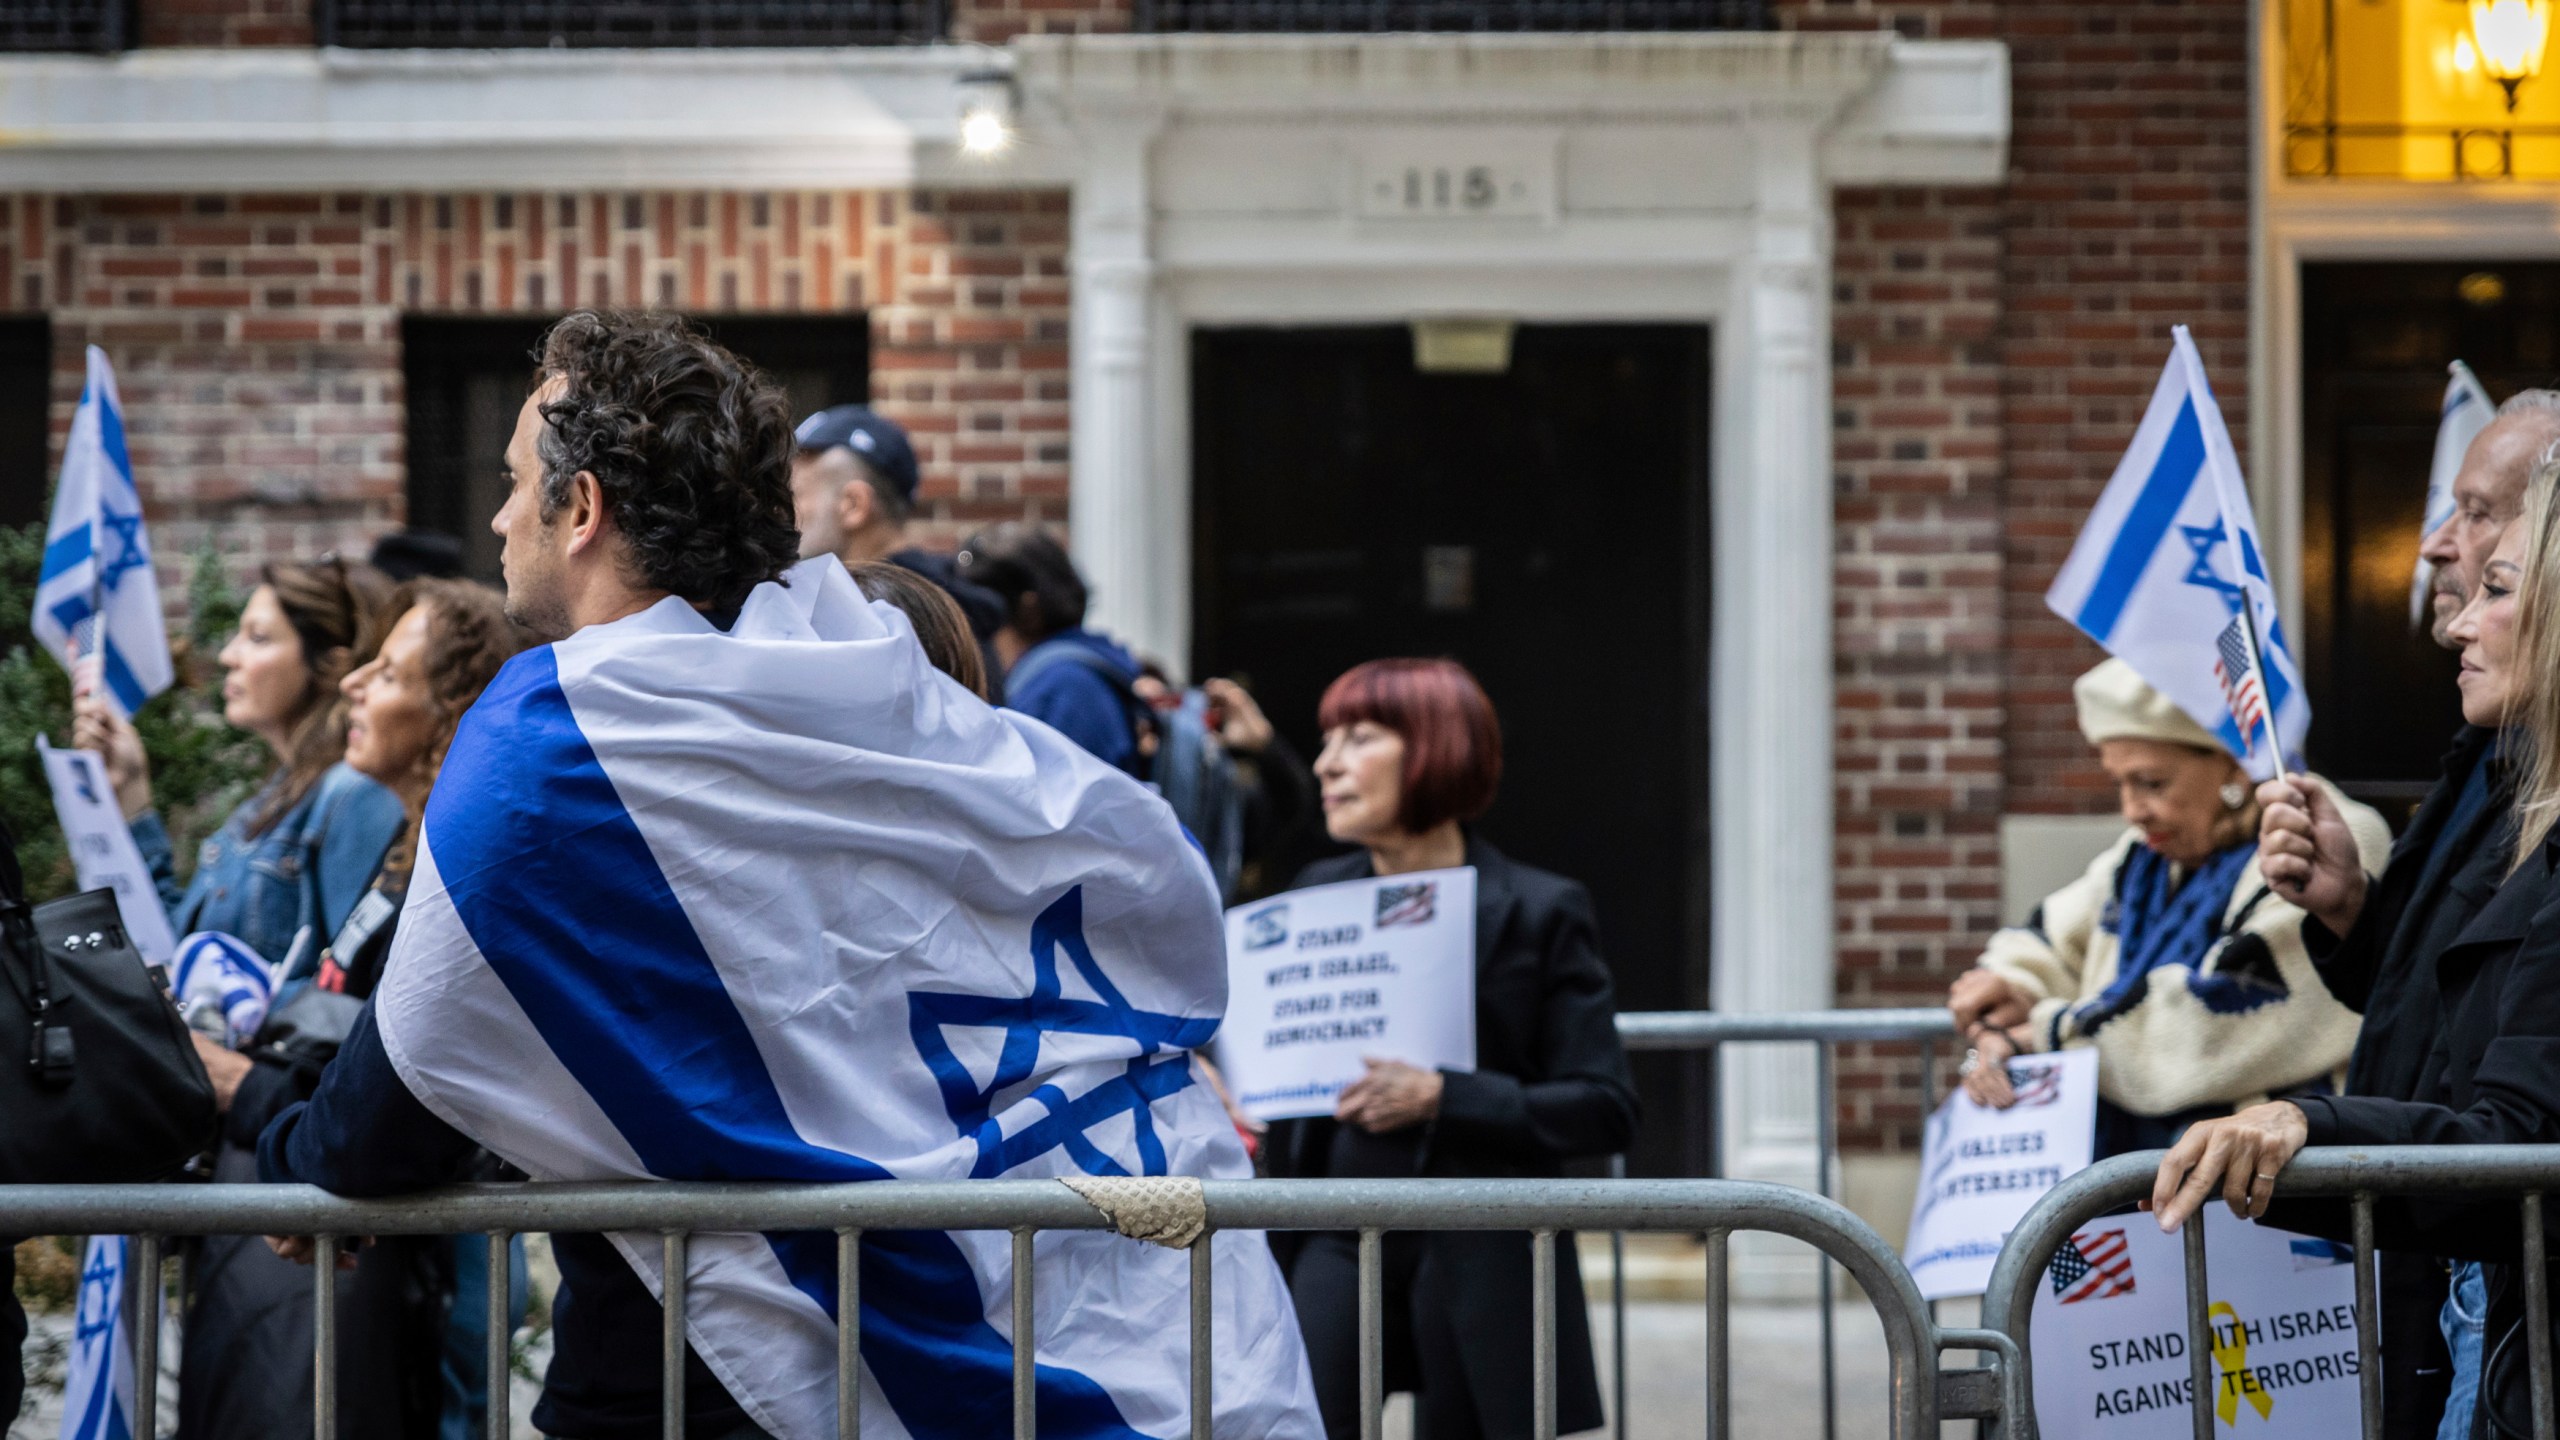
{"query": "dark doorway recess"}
(467, 379)
(1546, 526)
(26, 407)
(2375, 343)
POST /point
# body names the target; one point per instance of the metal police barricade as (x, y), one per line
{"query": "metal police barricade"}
(1824, 1030)
(2525, 1172)
(1372, 1208)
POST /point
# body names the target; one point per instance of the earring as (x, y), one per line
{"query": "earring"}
(2234, 795)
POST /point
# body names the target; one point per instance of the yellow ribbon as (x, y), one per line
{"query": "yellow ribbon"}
(2233, 1360)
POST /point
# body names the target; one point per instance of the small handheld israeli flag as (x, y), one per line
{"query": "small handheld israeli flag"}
(97, 1399)
(97, 594)
(2467, 411)
(2168, 576)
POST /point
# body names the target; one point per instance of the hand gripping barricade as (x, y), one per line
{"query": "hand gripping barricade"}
(2524, 1172)
(1917, 1396)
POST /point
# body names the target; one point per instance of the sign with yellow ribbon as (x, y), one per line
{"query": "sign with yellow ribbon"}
(2110, 1334)
(2232, 1378)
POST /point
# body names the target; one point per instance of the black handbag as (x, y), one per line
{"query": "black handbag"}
(99, 1080)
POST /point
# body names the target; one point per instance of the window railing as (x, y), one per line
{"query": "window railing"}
(509, 24)
(96, 26)
(1376, 15)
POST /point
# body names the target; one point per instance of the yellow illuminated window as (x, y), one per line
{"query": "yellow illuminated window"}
(2420, 89)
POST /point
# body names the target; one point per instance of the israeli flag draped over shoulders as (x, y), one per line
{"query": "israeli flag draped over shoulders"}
(2467, 411)
(786, 903)
(2168, 576)
(96, 593)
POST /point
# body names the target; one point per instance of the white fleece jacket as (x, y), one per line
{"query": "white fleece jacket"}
(2167, 1050)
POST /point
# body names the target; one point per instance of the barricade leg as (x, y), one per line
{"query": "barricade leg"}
(143, 1255)
(673, 1258)
(496, 1423)
(1542, 1340)
(1719, 1347)
(324, 1336)
(848, 1335)
(1373, 1360)
(2199, 1330)
(2368, 1312)
(1026, 1342)
(2537, 1315)
(1203, 1357)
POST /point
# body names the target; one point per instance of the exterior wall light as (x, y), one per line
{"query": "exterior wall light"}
(987, 105)
(2509, 36)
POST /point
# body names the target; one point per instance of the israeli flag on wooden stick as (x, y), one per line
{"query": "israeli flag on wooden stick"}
(786, 903)
(2168, 575)
(97, 1397)
(97, 596)
(2467, 411)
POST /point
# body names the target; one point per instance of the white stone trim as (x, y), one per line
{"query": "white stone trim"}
(1221, 180)
(272, 120)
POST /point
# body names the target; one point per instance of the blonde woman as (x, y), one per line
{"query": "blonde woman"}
(2170, 955)
(2493, 1070)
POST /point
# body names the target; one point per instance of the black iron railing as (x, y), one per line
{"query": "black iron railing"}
(98, 26)
(1376, 15)
(471, 24)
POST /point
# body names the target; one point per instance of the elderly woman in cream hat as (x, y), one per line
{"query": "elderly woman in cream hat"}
(2169, 954)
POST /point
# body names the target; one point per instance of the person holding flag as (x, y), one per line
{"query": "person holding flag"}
(2170, 955)
(2376, 939)
(727, 882)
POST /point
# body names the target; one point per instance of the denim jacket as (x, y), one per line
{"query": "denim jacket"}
(305, 873)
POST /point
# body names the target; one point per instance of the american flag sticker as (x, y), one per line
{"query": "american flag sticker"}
(2093, 1266)
(1412, 904)
(2035, 1082)
(2238, 678)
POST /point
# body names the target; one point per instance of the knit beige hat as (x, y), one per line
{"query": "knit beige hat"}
(2117, 704)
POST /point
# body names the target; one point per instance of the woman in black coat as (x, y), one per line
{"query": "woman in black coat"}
(2490, 1040)
(1412, 749)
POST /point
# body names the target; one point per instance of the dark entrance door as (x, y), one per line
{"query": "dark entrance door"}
(2375, 343)
(1545, 526)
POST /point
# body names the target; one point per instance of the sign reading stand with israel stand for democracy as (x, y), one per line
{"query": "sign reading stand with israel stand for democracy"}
(1982, 1169)
(1321, 979)
(2168, 575)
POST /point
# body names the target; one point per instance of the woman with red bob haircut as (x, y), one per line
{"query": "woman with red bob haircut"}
(1413, 754)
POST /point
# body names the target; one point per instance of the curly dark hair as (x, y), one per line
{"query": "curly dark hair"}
(690, 444)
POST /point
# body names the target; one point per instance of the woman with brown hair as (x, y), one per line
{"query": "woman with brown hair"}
(291, 861)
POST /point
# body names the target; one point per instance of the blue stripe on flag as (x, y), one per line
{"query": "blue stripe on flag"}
(71, 609)
(111, 440)
(120, 678)
(617, 982)
(2154, 510)
(65, 552)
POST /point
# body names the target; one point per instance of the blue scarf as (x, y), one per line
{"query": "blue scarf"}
(2157, 920)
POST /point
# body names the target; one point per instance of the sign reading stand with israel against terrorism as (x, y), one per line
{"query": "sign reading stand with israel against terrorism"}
(786, 903)
(2169, 577)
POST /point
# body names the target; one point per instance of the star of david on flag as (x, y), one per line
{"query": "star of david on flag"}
(1162, 1066)
(97, 595)
(2168, 575)
(97, 1397)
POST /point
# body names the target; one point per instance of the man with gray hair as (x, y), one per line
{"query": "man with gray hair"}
(2375, 941)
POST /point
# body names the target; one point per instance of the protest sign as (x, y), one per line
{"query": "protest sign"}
(2110, 1332)
(102, 849)
(1320, 978)
(1981, 1169)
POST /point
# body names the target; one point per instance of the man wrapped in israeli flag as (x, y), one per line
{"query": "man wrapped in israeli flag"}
(728, 883)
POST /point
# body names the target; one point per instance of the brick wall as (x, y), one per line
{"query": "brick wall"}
(2128, 211)
(993, 22)
(256, 338)
(1917, 600)
(225, 22)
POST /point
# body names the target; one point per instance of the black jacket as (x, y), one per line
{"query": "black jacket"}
(2490, 1076)
(2443, 869)
(1550, 1084)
